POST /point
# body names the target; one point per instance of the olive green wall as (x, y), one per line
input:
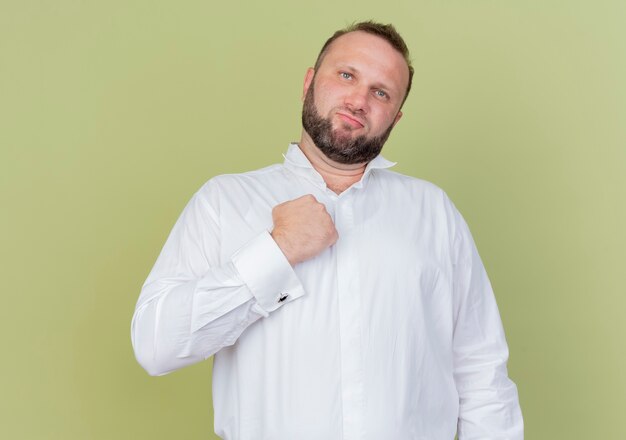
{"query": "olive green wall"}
(113, 113)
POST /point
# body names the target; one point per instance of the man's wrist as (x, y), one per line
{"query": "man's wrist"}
(283, 244)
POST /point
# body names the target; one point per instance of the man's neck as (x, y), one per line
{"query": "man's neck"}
(338, 176)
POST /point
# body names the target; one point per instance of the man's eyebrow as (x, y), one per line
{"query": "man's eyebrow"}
(375, 85)
(348, 67)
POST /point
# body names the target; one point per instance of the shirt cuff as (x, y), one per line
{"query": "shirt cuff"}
(267, 273)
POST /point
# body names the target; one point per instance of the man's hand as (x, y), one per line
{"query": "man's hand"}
(302, 228)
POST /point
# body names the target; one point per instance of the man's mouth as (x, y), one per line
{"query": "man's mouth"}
(352, 121)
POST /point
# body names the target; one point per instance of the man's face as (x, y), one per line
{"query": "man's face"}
(353, 100)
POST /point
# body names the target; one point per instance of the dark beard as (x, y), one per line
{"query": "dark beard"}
(335, 146)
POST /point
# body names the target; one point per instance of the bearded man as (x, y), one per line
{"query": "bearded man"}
(341, 300)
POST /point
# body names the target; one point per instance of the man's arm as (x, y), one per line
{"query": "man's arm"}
(489, 406)
(191, 306)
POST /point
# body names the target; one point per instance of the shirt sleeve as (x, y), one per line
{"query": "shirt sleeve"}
(192, 304)
(489, 404)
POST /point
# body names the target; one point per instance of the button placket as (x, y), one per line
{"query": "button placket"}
(349, 301)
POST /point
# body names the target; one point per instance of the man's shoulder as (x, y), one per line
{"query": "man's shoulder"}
(409, 183)
(413, 191)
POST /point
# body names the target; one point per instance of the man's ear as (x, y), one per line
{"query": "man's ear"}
(308, 79)
(398, 116)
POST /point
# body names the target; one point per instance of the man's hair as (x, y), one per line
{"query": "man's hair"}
(385, 31)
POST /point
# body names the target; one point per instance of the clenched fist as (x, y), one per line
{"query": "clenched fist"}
(302, 228)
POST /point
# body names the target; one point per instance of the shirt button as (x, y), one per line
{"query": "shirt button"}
(283, 297)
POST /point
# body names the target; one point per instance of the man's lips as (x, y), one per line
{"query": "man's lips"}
(351, 120)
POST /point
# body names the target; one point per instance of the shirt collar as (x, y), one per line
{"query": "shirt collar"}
(296, 161)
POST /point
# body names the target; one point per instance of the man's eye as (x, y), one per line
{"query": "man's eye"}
(381, 94)
(345, 75)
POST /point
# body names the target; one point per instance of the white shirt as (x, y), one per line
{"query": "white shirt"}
(391, 333)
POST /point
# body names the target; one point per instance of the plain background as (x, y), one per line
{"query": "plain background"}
(113, 113)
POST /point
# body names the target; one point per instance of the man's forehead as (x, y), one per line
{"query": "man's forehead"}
(365, 42)
(359, 39)
(352, 44)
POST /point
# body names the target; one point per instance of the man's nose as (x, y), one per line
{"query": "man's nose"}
(357, 100)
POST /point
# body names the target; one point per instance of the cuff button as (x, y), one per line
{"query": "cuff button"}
(283, 297)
